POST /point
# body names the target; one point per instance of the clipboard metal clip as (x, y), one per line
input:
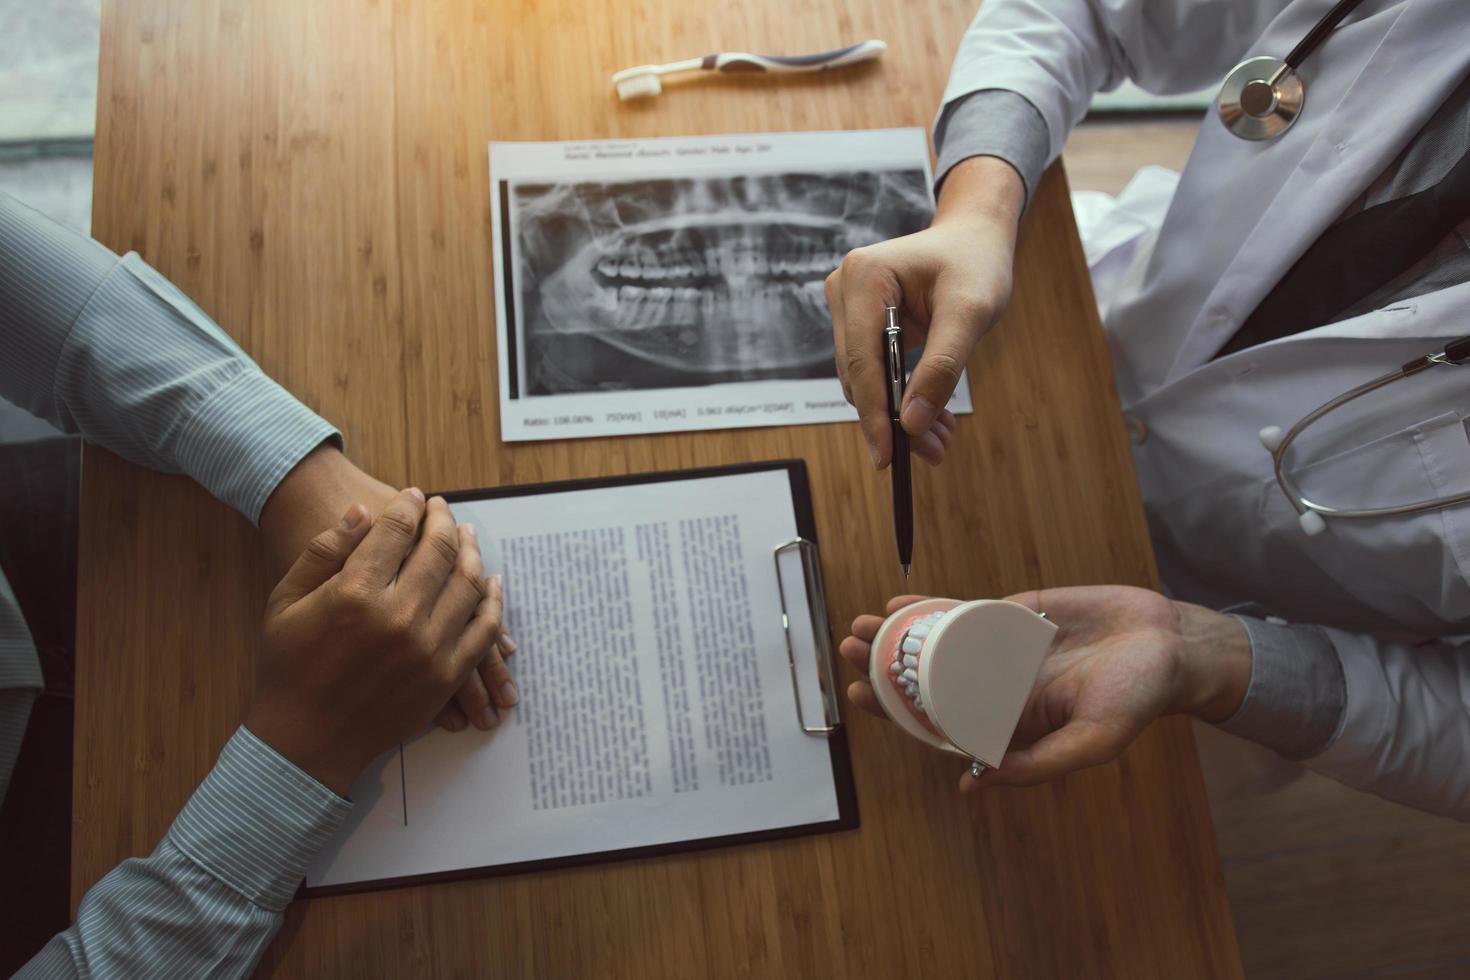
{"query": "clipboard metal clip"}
(816, 604)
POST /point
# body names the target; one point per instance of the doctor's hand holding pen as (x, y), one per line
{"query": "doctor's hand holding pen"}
(1121, 658)
(370, 635)
(950, 282)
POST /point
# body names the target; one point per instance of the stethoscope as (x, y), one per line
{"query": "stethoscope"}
(1311, 514)
(1261, 97)
(1259, 100)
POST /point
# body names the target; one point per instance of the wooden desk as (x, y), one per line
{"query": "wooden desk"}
(314, 175)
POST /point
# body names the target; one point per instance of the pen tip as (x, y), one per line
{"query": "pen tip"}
(905, 570)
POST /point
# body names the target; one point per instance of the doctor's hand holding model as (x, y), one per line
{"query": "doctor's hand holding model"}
(1313, 254)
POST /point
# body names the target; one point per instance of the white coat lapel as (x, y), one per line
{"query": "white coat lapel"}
(1413, 69)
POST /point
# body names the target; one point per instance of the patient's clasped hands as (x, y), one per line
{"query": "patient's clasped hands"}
(372, 631)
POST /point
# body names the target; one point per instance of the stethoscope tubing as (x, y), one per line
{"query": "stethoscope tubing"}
(1453, 354)
(1318, 34)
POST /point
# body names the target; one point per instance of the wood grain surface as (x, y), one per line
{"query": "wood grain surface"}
(314, 175)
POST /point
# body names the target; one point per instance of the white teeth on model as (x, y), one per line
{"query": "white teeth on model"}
(907, 656)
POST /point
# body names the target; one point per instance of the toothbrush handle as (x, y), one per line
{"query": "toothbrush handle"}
(740, 61)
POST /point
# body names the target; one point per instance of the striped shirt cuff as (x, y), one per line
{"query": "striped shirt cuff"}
(257, 822)
(244, 439)
(146, 373)
(1297, 695)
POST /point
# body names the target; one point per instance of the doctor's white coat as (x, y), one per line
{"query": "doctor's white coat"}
(1394, 593)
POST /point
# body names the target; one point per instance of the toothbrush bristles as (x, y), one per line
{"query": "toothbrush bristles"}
(639, 87)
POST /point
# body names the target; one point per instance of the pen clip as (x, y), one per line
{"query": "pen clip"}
(894, 333)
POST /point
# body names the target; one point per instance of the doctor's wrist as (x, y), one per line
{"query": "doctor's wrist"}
(1215, 664)
(986, 189)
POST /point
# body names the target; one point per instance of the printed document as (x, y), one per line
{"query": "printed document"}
(657, 704)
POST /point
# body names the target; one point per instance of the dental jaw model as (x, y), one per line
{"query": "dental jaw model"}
(955, 675)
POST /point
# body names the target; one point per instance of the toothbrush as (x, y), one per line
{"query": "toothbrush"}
(643, 81)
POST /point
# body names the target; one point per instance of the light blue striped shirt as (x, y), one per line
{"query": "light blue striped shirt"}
(109, 348)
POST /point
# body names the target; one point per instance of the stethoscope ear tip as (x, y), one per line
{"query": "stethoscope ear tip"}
(1271, 438)
(1312, 523)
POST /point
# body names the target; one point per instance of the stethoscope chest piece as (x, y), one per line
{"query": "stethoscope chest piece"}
(1260, 99)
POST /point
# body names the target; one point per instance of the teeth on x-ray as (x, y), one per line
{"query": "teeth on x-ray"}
(758, 283)
(669, 283)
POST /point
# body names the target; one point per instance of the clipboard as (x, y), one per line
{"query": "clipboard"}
(828, 728)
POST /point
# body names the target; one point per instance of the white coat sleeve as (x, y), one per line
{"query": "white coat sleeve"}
(1057, 54)
(1387, 717)
(1405, 729)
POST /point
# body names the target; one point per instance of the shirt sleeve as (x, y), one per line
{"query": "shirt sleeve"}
(107, 347)
(1391, 718)
(15, 714)
(1405, 731)
(209, 899)
(993, 123)
(1058, 54)
(1295, 701)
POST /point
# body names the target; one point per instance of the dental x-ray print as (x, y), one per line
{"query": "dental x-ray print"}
(686, 281)
(669, 284)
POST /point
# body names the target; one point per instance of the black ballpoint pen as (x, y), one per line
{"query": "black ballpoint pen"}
(903, 487)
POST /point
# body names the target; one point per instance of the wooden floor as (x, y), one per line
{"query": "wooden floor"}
(1103, 154)
(1324, 881)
